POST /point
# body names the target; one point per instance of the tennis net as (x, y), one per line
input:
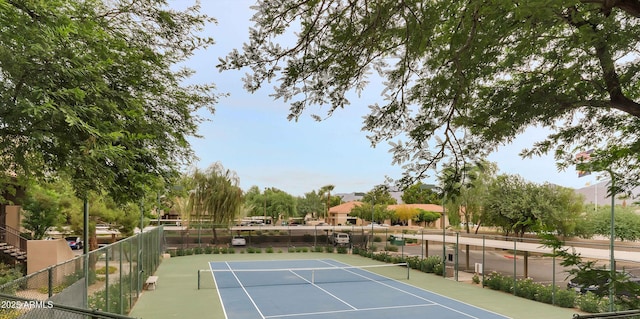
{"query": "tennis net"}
(230, 278)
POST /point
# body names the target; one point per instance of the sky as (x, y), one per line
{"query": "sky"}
(250, 133)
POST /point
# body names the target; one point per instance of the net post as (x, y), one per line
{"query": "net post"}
(198, 279)
(408, 270)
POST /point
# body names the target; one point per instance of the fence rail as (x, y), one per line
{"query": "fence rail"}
(36, 309)
(109, 279)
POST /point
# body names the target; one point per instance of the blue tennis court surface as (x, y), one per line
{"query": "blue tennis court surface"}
(327, 289)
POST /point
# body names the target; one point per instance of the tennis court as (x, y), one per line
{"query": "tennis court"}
(326, 288)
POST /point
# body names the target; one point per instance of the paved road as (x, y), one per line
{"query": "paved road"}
(498, 256)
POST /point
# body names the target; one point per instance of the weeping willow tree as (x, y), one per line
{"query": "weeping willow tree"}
(214, 197)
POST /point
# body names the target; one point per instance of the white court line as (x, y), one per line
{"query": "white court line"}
(325, 291)
(349, 310)
(219, 294)
(245, 291)
(406, 292)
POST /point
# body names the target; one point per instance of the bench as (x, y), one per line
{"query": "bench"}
(151, 282)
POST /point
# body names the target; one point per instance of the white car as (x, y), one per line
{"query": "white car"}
(238, 241)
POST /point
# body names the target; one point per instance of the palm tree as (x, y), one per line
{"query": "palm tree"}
(214, 196)
(327, 190)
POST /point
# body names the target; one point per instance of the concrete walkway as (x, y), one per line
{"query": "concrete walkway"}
(177, 296)
(596, 253)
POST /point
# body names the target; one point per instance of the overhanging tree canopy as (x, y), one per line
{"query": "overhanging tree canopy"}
(487, 69)
(90, 89)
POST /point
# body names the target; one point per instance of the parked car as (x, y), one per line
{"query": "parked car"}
(596, 281)
(341, 239)
(74, 242)
(238, 241)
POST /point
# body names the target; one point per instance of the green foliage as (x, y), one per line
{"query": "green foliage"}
(592, 303)
(627, 222)
(99, 99)
(391, 248)
(431, 263)
(215, 195)
(420, 194)
(98, 299)
(103, 270)
(497, 281)
(517, 206)
(483, 97)
(565, 298)
(41, 211)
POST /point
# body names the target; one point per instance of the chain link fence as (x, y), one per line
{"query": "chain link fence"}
(109, 279)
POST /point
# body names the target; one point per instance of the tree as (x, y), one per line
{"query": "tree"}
(380, 194)
(42, 211)
(280, 204)
(364, 211)
(485, 69)
(509, 205)
(404, 213)
(627, 222)
(311, 203)
(419, 193)
(90, 90)
(214, 196)
(427, 217)
(326, 192)
(517, 206)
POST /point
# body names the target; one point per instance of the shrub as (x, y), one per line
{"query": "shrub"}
(565, 298)
(377, 239)
(438, 269)
(98, 299)
(342, 250)
(328, 249)
(318, 249)
(103, 270)
(391, 248)
(526, 288)
(590, 302)
(197, 250)
(545, 294)
(291, 249)
(208, 250)
(475, 279)
(497, 281)
(269, 250)
(430, 263)
(414, 262)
